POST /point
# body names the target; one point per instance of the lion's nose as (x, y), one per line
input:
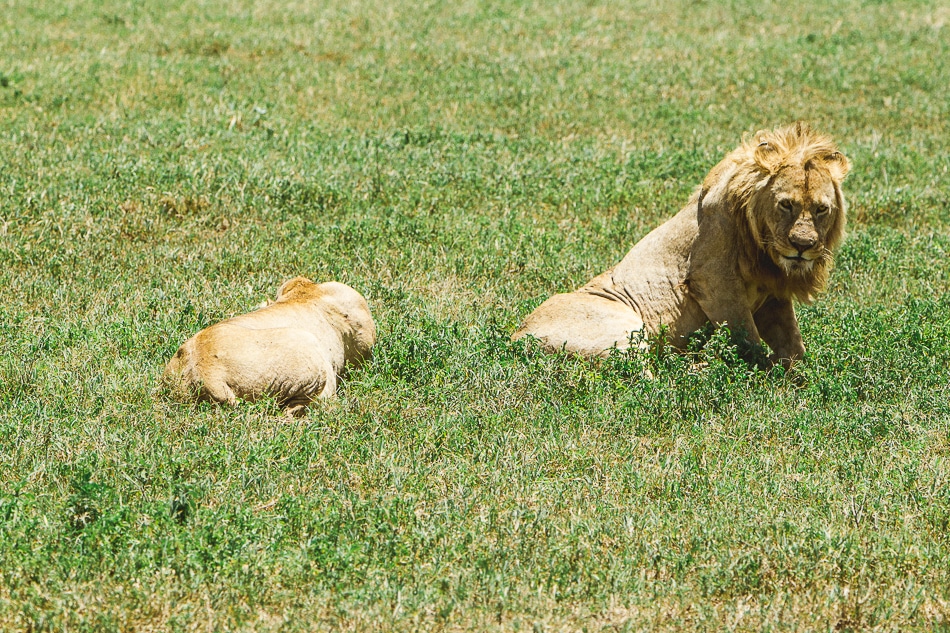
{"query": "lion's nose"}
(803, 241)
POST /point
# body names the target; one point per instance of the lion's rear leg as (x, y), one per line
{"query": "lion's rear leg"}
(189, 381)
(583, 323)
(323, 386)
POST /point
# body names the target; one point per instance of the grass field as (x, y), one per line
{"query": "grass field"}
(164, 165)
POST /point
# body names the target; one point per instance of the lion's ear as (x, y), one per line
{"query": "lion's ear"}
(838, 165)
(291, 284)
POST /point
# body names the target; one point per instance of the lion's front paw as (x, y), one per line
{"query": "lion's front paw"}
(781, 361)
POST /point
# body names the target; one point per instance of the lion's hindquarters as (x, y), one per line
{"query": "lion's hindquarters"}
(183, 377)
(233, 363)
(583, 323)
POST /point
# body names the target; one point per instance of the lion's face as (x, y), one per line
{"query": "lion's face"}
(801, 218)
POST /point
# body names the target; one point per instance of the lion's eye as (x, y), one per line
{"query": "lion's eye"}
(785, 206)
(822, 210)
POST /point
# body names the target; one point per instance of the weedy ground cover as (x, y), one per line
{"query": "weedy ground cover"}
(168, 164)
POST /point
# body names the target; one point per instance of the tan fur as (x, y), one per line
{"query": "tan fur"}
(755, 237)
(293, 349)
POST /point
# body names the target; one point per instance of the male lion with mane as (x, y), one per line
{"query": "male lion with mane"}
(755, 237)
(294, 349)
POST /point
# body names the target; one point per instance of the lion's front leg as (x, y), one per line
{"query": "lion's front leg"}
(725, 303)
(778, 327)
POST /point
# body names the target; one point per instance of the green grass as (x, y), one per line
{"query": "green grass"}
(164, 165)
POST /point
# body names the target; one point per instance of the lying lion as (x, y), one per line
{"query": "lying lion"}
(294, 349)
(757, 235)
